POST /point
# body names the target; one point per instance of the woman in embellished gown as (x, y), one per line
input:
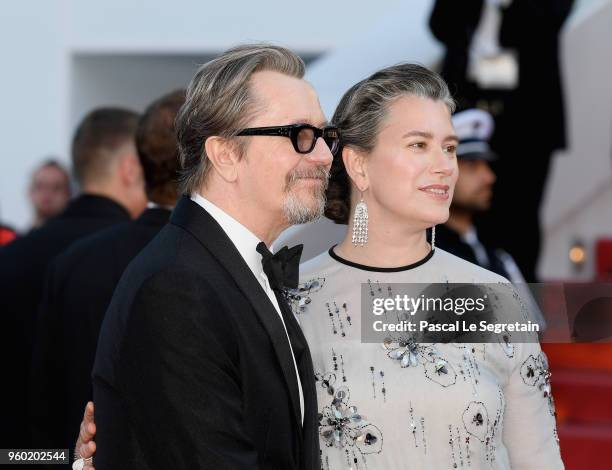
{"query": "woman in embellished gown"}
(405, 405)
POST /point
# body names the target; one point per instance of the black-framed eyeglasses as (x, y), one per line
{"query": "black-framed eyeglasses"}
(303, 136)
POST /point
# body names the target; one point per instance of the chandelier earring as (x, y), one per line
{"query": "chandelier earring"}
(360, 223)
(433, 238)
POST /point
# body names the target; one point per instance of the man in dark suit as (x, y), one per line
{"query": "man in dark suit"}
(200, 361)
(81, 282)
(107, 169)
(454, 23)
(531, 29)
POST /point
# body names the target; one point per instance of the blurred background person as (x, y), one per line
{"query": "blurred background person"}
(472, 197)
(531, 29)
(49, 191)
(106, 167)
(82, 280)
(514, 44)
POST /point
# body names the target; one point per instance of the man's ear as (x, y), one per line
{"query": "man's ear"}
(130, 169)
(356, 167)
(224, 157)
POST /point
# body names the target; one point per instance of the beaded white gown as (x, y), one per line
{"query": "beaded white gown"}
(445, 406)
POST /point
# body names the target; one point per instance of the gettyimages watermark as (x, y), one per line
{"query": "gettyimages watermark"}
(486, 313)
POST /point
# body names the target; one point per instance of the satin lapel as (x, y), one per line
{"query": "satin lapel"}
(311, 410)
(311, 454)
(311, 416)
(193, 218)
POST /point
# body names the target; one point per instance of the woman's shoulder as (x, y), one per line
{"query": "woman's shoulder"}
(459, 270)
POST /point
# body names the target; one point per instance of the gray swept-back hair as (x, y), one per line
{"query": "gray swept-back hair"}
(361, 112)
(219, 103)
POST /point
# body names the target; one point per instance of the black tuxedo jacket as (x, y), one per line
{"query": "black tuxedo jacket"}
(23, 264)
(454, 23)
(532, 28)
(193, 367)
(79, 286)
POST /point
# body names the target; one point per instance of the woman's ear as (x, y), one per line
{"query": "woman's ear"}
(223, 156)
(356, 167)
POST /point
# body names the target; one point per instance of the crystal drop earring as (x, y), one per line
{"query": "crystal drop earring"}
(433, 238)
(360, 223)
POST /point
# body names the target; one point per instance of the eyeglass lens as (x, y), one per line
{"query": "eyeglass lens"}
(306, 139)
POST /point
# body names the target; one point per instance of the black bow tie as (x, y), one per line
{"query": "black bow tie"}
(282, 267)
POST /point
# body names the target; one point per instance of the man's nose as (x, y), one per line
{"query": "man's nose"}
(321, 154)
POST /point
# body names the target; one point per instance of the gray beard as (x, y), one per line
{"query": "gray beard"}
(295, 211)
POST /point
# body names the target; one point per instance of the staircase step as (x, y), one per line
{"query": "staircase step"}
(586, 446)
(582, 396)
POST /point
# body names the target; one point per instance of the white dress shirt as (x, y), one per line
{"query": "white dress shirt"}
(246, 243)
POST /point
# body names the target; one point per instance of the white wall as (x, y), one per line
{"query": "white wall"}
(33, 96)
(196, 25)
(50, 77)
(130, 81)
(400, 35)
(578, 201)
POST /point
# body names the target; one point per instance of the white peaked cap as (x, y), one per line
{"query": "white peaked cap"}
(473, 124)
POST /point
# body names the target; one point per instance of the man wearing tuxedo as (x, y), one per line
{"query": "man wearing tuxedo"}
(200, 362)
(81, 282)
